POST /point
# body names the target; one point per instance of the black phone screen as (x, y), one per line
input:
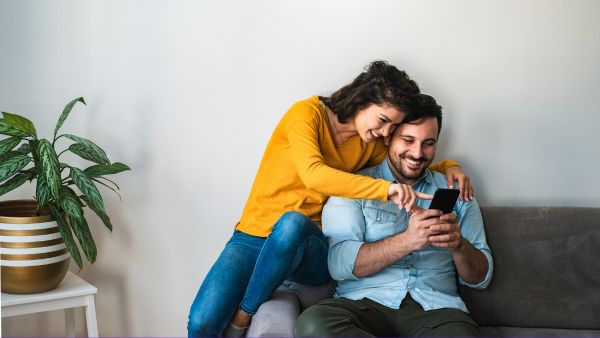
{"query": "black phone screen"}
(444, 200)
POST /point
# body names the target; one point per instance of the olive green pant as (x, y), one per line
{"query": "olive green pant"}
(365, 318)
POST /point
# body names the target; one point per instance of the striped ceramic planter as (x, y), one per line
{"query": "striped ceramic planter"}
(34, 256)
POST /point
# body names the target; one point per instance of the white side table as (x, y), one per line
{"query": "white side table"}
(71, 293)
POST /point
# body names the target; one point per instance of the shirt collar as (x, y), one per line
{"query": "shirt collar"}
(386, 174)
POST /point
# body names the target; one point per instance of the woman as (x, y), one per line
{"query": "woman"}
(313, 152)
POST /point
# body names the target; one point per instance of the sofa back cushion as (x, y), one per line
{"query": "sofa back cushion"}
(546, 268)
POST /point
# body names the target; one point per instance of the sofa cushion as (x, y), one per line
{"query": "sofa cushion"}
(546, 269)
(311, 295)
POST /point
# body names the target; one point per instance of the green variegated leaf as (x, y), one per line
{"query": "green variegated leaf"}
(20, 123)
(70, 203)
(50, 169)
(105, 219)
(13, 183)
(7, 155)
(42, 192)
(97, 179)
(12, 165)
(100, 170)
(88, 150)
(65, 113)
(106, 185)
(102, 215)
(65, 232)
(9, 144)
(67, 190)
(85, 153)
(33, 145)
(87, 187)
(31, 172)
(82, 231)
(6, 129)
(24, 149)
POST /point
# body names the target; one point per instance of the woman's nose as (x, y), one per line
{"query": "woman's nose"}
(385, 131)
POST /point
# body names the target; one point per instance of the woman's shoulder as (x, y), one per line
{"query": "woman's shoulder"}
(308, 110)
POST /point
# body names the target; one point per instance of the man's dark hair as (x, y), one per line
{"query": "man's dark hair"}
(423, 106)
(380, 84)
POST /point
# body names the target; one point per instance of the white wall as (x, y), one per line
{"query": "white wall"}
(187, 93)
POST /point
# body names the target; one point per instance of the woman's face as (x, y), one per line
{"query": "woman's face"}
(376, 121)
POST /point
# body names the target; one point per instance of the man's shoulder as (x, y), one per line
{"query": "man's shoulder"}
(439, 180)
(374, 171)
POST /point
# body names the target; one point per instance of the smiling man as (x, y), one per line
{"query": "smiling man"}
(397, 271)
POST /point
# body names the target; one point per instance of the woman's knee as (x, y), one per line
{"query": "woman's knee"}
(292, 225)
(200, 324)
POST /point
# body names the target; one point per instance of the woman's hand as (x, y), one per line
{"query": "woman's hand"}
(405, 196)
(455, 173)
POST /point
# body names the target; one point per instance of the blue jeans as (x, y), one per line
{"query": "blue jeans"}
(251, 268)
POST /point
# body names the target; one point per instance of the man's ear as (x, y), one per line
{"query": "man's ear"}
(386, 140)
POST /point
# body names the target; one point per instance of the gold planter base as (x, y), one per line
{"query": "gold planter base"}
(34, 257)
(33, 279)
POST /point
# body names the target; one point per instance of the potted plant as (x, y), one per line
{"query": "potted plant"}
(37, 235)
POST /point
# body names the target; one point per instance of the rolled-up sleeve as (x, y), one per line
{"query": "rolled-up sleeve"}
(472, 229)
(344, 225)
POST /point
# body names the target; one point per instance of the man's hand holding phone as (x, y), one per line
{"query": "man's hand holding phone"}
(418, 232)
(446, 233)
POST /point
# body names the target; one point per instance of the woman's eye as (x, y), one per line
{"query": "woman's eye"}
(382, 120)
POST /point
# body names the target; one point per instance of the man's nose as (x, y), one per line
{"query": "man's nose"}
(415, 151)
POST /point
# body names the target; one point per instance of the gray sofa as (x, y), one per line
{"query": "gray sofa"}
(546, 278)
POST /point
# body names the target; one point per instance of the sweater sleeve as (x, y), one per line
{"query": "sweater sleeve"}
(442, 166)
(317, 176)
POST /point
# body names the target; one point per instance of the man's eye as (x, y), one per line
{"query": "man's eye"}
(407, 140)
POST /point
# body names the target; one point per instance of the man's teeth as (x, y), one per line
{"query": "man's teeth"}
(412, 162)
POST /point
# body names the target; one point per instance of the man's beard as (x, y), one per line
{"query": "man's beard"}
(400, 166)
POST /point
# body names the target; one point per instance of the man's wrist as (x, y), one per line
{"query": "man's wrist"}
(462, 246)
(398, 246)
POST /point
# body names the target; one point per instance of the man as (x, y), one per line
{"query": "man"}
(397, 271)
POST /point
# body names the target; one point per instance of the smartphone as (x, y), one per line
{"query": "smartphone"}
(444, 200)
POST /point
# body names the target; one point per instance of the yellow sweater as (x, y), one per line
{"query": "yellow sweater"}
(302, 166)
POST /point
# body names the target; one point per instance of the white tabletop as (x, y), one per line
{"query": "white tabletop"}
(71, 286)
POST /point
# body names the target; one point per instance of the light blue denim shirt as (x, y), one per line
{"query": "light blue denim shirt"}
(429, 275)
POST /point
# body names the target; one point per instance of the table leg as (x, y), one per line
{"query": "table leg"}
(90, 317)
(70, 321)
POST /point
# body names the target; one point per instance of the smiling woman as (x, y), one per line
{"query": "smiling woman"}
(313, 153)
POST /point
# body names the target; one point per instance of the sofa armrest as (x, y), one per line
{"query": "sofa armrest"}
(276, 317)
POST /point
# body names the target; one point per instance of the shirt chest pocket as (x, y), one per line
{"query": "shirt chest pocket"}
(381, 223)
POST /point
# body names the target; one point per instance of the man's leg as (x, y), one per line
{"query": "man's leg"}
(342, 318)
(412, 320)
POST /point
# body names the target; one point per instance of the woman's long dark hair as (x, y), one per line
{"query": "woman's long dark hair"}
(380, 84)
